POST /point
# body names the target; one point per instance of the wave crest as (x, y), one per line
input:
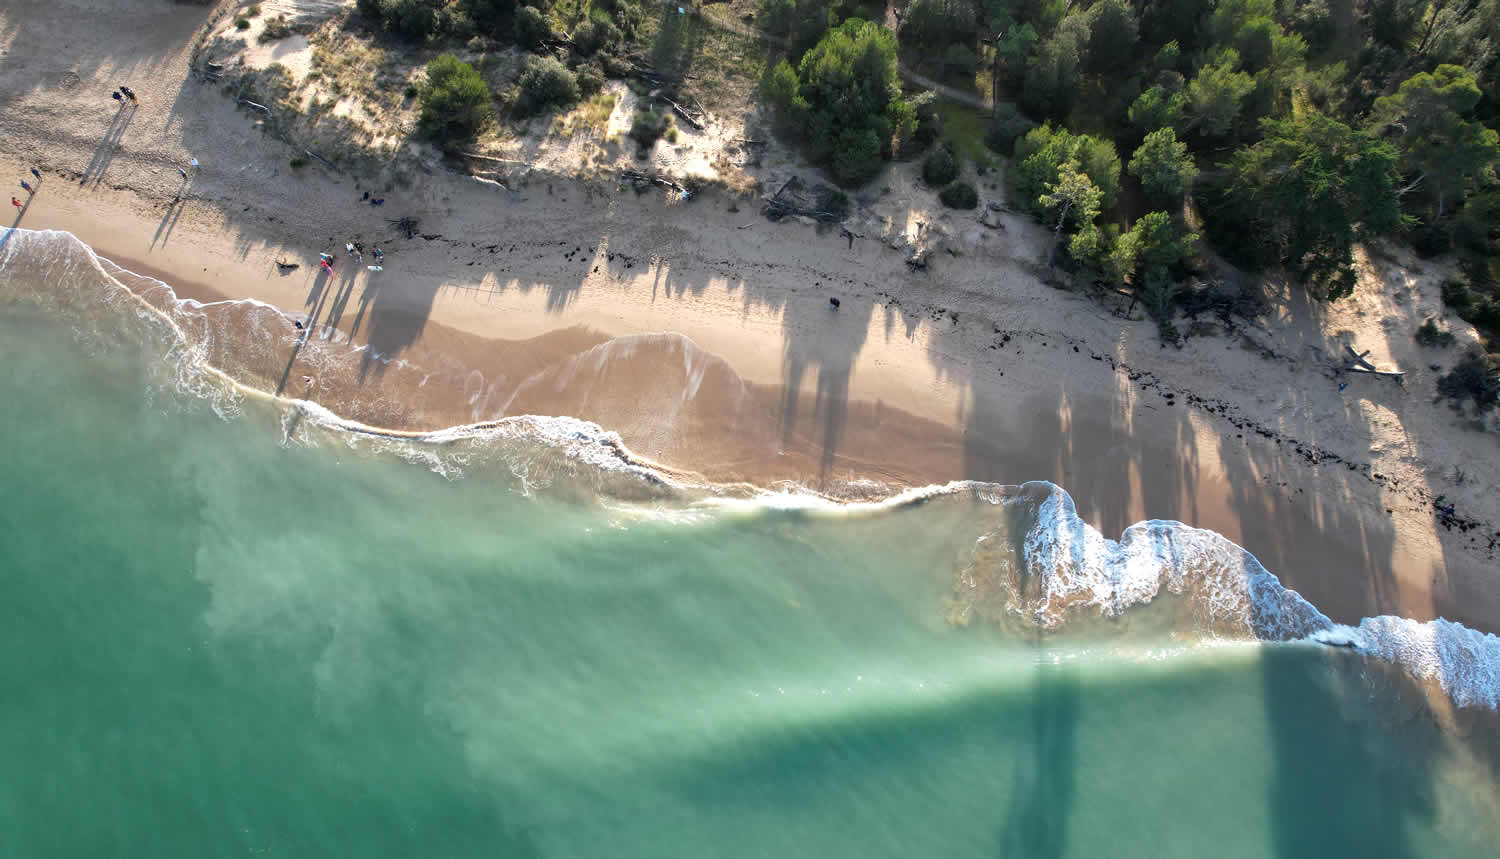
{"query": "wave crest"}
(1040, 563)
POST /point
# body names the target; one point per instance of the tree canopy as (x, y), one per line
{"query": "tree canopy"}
(1439, 145)
(1163, 165)
(1309, 190)
(455, 100)
(844, 99)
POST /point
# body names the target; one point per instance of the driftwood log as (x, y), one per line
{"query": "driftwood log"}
(636, 177)
(1359, 364)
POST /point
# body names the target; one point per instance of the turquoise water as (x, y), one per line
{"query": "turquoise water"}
(217, 641)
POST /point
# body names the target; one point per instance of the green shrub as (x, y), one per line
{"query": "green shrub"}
(242, 24)
(593, 36)
(1474, 307)
(939, 167)
(532, 27)
(275, 28)
(371, 10)
(297, 162)
(1040, 154)
(589, 82)
(1474, 378)
(455, 100)
(1456, 294)
(649, 126)
(844, 100)
(412, 20)
(1008, 126)
(253, 11)
(545, 83)
(929, 121)
(1429, 334)
(959, 195)
(411, 91)
(856, 155)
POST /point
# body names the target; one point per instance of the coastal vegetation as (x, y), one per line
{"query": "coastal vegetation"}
(1157, 140)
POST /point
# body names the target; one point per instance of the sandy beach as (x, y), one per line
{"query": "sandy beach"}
(702, 333)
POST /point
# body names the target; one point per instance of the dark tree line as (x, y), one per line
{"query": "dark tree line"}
(1295, 135)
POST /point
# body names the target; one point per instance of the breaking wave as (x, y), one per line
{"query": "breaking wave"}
(1038, 563)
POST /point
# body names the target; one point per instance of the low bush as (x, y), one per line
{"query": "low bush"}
(297, 162)
(276, 28)
(1480, 310)
(242, 23)
(412, 20)
(546, 83)
(939, 167)
(592, 36)
(959, 195)
(532, 28)
(1008, 126)
(649, 126)
(1473, 378)
(1429, 334)
(589, 82)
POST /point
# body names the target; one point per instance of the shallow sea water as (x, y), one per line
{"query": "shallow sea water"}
(218, 638)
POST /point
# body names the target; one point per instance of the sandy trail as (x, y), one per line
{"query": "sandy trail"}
(704, 336)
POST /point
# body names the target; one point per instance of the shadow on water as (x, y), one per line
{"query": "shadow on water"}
(1355, 742)
(1043, 788)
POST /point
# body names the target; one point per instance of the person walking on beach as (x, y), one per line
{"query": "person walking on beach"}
(15, 202)
(27, 186)
(36, 173)
(117, 97)
(193, 162)
(182, 172)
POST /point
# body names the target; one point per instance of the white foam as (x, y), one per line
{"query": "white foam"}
(1066, 567)
(1072, 567)
(1464, 662)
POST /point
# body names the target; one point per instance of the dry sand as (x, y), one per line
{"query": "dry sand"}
(704, 337)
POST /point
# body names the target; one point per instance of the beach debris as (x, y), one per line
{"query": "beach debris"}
(248, 103)
(405, 225)
(1358, 364)
(316, 156)
(691, 115)
(798, 198)
(640, 181)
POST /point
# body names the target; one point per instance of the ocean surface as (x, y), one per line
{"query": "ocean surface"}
(236, 626)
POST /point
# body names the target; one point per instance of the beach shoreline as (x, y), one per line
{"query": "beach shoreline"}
(702, 333)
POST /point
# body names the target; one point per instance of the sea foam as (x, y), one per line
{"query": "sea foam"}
(1048, 566)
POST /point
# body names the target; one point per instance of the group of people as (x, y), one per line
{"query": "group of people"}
(123, 94)
(356, 250)
(27, 187)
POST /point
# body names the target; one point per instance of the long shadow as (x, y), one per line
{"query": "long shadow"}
(110, 145)
(1043, 791)
(174, 213)
(36, 27)
(316, 297)
(829, 341)
(16, 224)
(1353, 773)
(677, 38)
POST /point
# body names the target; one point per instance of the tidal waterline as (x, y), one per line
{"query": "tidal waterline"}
(221, 642)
